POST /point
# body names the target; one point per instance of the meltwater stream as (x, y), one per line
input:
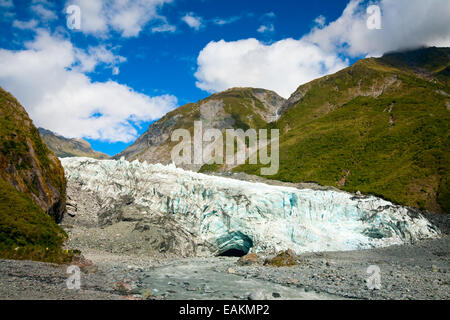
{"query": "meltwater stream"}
(232, 215)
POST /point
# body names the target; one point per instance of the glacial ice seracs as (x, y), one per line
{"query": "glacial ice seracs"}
(228, 214)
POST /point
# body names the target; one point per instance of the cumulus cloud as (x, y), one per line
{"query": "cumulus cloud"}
(281, 66)
(127, 17)
(284, 65)
(405, 24)
(48, 77)
(192, 21)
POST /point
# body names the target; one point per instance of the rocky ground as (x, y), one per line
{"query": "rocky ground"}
(420, 271)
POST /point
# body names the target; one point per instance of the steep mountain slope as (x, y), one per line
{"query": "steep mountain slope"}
(26, 162)
(33, 188)
(235, 108)
(380, 126)
(65, 147)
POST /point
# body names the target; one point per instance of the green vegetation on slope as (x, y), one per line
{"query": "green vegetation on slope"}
(27, 232)
(374, 128)
(26, 162)
(32, 189)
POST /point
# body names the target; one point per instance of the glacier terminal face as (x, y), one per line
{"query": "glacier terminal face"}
(232, 215)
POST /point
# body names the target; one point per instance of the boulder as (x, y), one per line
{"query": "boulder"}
(257, 295)
(123, 287)
(283, 259)
(248, 259)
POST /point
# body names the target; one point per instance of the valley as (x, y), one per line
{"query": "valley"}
(363, 181)
(135, 256)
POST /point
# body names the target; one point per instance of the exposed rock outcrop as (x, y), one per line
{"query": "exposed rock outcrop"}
(232, 109)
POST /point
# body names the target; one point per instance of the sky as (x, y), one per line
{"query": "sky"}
(104, 70)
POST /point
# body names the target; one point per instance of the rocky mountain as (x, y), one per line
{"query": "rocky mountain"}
(380, 127)
(33, 188)
(66, 147)
(235, 108)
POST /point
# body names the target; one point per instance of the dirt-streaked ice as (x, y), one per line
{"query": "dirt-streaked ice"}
(232, 214)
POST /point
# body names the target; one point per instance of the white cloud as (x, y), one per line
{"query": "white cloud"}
(320, 21)
(224, 21)
(192, 21)
(405, 24)
(24, 25)
(127, 17)
(88, 60)
(266, 28)
(93, 16)
(47, 77)
(286, 64)
(164, 26)
(281, 66)
(44, 13)
(268, 15)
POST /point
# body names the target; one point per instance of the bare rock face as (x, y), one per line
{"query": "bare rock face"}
(236, 108)
(25, 161)
(148, 146)
(295, 98)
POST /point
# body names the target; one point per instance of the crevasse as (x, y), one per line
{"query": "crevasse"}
(230, 214)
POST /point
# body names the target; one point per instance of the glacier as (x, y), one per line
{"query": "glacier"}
(226, 214)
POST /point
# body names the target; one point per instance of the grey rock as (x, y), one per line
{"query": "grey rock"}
(257, 295)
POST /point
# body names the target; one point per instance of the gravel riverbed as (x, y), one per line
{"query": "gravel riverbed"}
(419, 271)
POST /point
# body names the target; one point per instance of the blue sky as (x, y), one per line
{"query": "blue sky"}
(133, 61)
